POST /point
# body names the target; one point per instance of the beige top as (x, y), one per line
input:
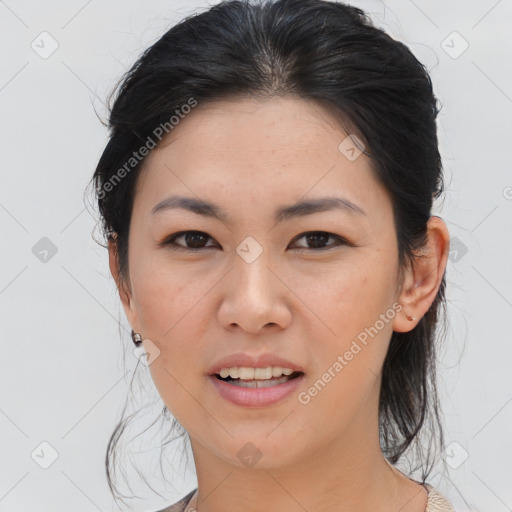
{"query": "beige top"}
(436, 502)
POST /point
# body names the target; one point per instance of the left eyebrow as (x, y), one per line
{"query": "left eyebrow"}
(317, 205)
(300, 209)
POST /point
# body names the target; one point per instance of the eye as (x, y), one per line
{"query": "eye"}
(195, 238)
(319, 238)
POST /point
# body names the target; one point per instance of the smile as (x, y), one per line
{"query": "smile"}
(257, 392)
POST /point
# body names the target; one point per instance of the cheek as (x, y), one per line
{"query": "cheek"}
(172, 309)
(350, 348)
(354, 305)
(350, 297)
(168, 299)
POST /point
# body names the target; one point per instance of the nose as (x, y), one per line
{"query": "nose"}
(254, 297)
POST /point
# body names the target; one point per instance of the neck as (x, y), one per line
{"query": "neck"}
(339, 477)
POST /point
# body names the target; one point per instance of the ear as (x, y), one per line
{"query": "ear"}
(423, 278)
(123, 287)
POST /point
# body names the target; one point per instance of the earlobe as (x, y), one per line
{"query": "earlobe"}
(424, 276)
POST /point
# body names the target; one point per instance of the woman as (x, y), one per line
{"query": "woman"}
(266, 193)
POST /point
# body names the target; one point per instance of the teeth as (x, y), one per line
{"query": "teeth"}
(259, 383)
(246, 373)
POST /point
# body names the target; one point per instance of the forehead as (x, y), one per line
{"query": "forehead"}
(261, 149)
(254, 124)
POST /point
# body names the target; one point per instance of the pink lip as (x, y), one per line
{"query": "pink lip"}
(256, 397)
(263, 361)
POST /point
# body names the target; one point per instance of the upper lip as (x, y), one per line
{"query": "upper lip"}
(246, 360)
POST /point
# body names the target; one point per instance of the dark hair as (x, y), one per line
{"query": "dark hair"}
(320, 51)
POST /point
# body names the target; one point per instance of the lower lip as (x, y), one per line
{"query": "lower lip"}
(256, 397)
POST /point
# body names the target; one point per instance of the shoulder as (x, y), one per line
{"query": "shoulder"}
(436, 502)
(179, 506)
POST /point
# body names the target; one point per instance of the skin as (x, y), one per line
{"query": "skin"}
(251, 157)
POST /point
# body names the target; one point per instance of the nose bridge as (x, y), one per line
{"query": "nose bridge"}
(252, 300)
(253, 277)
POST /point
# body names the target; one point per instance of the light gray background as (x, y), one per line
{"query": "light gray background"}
(65, 369)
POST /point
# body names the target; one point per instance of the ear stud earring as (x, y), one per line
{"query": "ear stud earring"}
(137, 338)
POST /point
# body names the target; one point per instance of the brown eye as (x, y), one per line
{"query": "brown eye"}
(193, 240)
(196, 240)
(319, 239)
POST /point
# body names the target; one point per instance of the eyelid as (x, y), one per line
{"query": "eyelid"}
(169, 240)
(339, 240)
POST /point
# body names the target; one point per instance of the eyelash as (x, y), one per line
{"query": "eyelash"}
(170, 241)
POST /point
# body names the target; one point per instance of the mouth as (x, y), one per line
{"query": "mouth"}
(248, 380)
(256, 387)
(260, 382)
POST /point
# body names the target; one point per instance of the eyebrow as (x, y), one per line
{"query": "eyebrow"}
(300, 209)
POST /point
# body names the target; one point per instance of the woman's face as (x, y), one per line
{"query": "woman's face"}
(251, 283)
